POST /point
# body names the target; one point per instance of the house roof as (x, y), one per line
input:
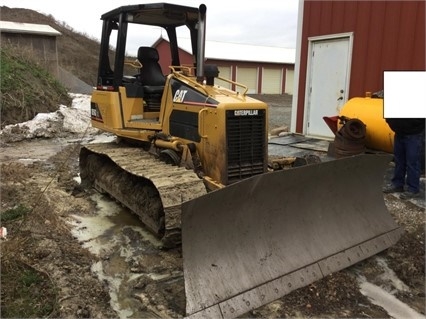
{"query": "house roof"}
(241, 52)
(19, 27)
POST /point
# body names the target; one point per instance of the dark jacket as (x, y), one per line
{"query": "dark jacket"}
(406, 126)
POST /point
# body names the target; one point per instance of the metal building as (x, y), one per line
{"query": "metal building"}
(343, 49)
(38, 39)
(264, 70)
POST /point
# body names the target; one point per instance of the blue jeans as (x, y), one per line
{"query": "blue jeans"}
(407, 156)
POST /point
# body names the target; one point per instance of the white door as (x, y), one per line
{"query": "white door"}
(328, 82)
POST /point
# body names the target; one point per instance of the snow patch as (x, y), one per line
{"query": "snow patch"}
(65, 121)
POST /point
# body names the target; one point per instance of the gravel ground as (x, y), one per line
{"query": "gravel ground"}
(279, 109)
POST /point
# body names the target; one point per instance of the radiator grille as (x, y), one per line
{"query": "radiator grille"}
(245, 144)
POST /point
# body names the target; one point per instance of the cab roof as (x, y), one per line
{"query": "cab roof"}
(155, 14)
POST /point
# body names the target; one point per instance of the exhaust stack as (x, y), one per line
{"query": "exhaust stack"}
(201, 42)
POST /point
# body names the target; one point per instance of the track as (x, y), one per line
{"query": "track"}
(150, 188)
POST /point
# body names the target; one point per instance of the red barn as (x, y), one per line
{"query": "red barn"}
(264, 70)
(343, 49)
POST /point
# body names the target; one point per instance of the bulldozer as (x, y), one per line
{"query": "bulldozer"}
(191, 160)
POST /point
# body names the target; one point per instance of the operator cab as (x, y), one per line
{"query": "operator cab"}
(115, 26)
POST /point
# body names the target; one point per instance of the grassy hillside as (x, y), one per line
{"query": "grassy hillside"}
(26, 88)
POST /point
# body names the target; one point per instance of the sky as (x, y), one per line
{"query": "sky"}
(265, 23)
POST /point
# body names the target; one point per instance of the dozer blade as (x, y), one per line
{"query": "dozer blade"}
(257, 240)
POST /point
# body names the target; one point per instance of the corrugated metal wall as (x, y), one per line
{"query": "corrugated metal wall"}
(388, 35)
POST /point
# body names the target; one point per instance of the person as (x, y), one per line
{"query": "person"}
(408, 143)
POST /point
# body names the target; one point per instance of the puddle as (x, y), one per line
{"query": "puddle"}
(383, 293)
(389, 276)
(103, 234)
(394, 307)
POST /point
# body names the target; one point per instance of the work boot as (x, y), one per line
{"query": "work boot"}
(392, 189)
(409, 195)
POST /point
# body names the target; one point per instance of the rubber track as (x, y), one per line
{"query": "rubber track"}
(174, 184)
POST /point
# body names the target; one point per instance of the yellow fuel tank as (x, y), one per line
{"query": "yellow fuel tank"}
(379, 136)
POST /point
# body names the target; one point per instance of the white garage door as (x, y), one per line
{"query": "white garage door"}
(289, 81)
(248, 77)
(272, 81)
(224, 72)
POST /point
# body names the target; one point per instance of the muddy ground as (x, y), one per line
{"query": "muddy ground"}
(128, 276)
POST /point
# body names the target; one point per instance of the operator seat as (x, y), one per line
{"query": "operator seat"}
(150, 74)
(151, 77)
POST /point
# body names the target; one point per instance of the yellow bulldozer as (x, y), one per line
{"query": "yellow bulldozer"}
(191, 160)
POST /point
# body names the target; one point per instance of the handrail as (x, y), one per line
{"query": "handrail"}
(236, 83)
(199, 122)
(183, 68)
(194, 83)
(136, 64)
(186, 71)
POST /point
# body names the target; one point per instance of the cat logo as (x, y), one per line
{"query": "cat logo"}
(180, 96)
